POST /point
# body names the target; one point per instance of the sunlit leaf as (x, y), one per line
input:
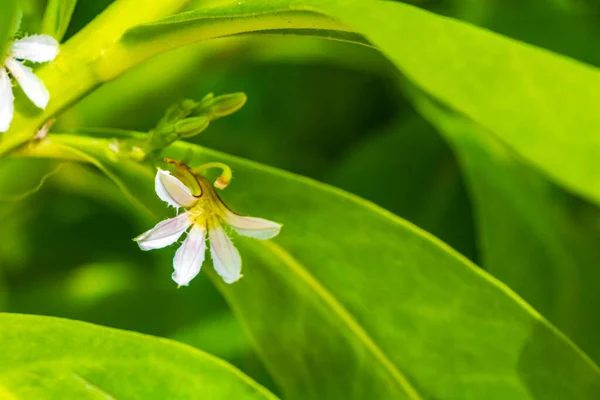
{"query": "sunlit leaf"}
(44, 357)
(536, 238)
(408, 169)
(278, 18)
(531, 99)
(351, 293)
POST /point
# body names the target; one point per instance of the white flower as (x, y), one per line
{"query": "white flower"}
(205, 214)
(37, 48)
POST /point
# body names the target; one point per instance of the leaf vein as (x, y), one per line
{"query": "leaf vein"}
(353, 325)
(92, 387)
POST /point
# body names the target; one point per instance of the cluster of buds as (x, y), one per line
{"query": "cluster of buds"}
(190, 118)
(181, 121)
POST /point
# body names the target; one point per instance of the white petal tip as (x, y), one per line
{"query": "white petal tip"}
(164, 233)
(179, 284)
(180, 281)
(144, 246)
(226, 259)
(257, 228)
(233, 279)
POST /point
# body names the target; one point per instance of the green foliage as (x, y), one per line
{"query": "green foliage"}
(561, 26)
(554, 267)
(57, 17)
(33, 190)
(410, 281)
(510, 88)
(428, 190)
(77, 360)
(517, 91)
(483, 140)
(7, 20)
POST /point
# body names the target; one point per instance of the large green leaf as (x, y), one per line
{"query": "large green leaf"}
(52, 358)
(57, 17)
(532, 236)
(351, 301)
(507, 87)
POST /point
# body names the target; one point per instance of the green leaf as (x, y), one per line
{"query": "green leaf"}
(352, 301)
(428, 191)
(8, 12)
(531, 99)
(57, 17)
(561, 26)
(505, 86)
(45, 357)
(278, 16)
(534, 236)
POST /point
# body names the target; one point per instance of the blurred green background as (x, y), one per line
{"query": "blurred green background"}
(331, 111)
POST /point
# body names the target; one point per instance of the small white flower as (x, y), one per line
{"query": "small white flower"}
(205, 214)
(37, 48)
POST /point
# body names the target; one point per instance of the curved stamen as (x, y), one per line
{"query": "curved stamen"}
(225, 177)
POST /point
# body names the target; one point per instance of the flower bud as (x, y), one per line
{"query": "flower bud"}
(191, 126)
(221, 106)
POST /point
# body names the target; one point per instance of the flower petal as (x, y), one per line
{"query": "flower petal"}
(171, 190)
(190, 256)
(257, 228)
(36, 48)
(6, 101)
(226, 259)
(32, 85)
(164, 233)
